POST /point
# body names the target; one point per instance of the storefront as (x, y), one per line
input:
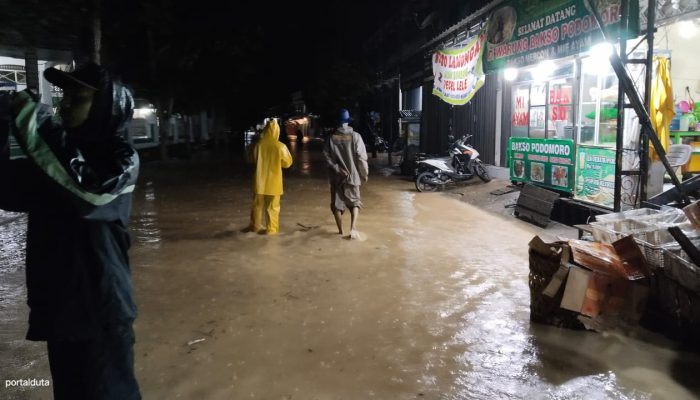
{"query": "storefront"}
(560, 98)
(555, 97)
(569, 103)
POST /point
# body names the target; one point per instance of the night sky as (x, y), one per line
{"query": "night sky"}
(267, 50)
(243, 57)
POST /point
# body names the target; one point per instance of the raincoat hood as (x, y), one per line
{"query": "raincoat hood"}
(112, 107)
(271, 131)
(345, 129)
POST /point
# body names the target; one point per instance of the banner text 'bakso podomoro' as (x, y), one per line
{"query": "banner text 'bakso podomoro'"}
(525, 32)
(544, 162)
(458, 72)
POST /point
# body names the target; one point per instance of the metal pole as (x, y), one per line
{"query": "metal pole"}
(649, 70)
(638, 104)
(619, 142)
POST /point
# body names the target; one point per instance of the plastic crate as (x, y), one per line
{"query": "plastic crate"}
(610, 231)
(674, 217)
(682, 271)
(629, 214)
(648, 215)
(656, 241)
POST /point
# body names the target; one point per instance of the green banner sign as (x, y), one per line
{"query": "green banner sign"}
(525, 32)
(545, 162)
(595, 175)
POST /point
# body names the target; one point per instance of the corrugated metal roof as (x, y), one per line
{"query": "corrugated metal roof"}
(466, 22)
(668, 11)
(409, 113)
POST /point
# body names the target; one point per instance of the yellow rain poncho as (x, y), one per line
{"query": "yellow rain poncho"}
(661, 108)
(269, 156)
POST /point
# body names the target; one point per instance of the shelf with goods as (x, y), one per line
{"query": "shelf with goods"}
(598, 123)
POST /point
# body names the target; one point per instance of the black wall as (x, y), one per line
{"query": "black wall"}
(478, 118)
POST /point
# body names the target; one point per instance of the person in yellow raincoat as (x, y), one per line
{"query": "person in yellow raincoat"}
(269, 156)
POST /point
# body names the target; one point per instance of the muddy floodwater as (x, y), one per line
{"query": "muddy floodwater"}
(431, 303)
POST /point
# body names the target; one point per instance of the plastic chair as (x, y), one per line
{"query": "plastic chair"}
(678, 155)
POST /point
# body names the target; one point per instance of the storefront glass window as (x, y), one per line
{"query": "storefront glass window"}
(539, 94)
(560, 117)
(538, 109)
(598, 106)
(520, 116)
(537, 121)
(545, 109)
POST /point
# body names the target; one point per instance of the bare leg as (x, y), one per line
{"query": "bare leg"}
(354, 213)
(338, 220)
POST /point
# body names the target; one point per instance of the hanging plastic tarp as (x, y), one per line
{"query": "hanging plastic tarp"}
(458, 72)
(661, 108)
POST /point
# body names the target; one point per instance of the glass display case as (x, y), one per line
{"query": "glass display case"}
(538, 109)
(544, 109)
(520, 106)
(597, 117)
(560, 116)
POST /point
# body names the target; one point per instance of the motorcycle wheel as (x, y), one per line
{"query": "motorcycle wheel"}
(426, 182)
(481, 172)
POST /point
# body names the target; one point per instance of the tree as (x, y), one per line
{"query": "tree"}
(184, 57)
(340, 83)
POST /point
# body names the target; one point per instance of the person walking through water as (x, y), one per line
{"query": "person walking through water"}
(76, 183)
(269, 156)
(346, 156)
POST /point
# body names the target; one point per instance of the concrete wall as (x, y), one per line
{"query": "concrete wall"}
(685, 64)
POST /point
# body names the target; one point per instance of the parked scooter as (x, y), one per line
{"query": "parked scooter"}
(461, 165)
(380, 145)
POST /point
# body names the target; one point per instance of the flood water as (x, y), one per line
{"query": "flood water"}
(431, 303)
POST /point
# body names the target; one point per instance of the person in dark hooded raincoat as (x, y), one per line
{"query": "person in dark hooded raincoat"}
(76, 184)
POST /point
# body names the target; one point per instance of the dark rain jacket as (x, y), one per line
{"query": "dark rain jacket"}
(77, 192)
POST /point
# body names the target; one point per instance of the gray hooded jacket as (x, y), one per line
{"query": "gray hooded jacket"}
(345, 151)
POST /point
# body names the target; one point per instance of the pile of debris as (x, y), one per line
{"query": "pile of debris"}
(636, 268)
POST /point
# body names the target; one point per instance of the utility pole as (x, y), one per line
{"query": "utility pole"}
(96, 32)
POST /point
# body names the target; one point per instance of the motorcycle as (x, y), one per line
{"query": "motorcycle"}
(462, 164)
(380, 145)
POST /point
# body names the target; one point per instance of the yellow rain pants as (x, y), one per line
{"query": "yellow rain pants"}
(271, 206)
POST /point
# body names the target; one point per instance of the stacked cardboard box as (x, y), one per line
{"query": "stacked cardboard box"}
(602, 285)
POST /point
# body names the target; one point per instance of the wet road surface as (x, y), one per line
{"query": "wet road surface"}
(432, 303)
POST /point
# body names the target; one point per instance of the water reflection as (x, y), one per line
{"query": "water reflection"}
(307, 157)
(144, 223)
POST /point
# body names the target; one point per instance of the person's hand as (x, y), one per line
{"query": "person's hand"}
(343, 174)
(366, 178)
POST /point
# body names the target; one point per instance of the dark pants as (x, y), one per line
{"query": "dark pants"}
(98, 369)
